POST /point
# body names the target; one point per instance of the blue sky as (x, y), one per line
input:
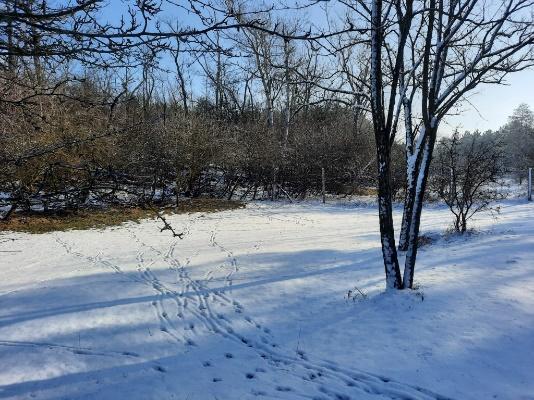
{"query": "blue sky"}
(494, 104)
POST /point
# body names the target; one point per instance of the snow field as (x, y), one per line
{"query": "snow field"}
(252, 303)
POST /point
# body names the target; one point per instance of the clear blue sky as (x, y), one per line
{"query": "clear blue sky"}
(494, 104)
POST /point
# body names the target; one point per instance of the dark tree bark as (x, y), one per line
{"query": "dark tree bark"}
(385, 215)
(383, 139)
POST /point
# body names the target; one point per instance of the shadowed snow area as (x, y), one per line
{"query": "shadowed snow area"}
(252, 303)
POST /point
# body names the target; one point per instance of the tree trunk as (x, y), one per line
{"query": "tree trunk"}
(409, 199)
(11, 60)
(413, 233)
(385, 214)
(413, 161)
(383, 153)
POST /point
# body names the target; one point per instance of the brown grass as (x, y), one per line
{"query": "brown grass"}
(90, 219)
(365, 191)
(425, 240)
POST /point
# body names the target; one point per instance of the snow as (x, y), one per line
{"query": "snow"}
(252, 303)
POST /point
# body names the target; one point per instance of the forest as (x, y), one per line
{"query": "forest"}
(234, 114)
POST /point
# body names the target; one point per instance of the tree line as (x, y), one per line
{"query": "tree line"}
(81, 128)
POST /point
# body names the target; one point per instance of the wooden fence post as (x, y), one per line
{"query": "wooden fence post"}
(323, 181)
(530, 184)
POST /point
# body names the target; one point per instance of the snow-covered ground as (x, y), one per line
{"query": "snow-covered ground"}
(253, 303)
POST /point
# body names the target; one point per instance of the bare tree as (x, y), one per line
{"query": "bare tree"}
(467, 172)
(430, 55)
(465, 44)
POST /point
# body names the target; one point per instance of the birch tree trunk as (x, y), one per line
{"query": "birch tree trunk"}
(407, 209)
(413, 162)
(418, 197)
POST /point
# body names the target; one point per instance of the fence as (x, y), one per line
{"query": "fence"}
(529, 191)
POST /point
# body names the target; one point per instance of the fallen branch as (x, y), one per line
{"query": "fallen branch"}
(168, 227)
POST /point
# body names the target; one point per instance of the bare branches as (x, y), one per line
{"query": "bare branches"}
(467, 174)
(168, 227)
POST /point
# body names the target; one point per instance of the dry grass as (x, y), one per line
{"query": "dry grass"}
(89, 219)
(425, 240)
(365, 191)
